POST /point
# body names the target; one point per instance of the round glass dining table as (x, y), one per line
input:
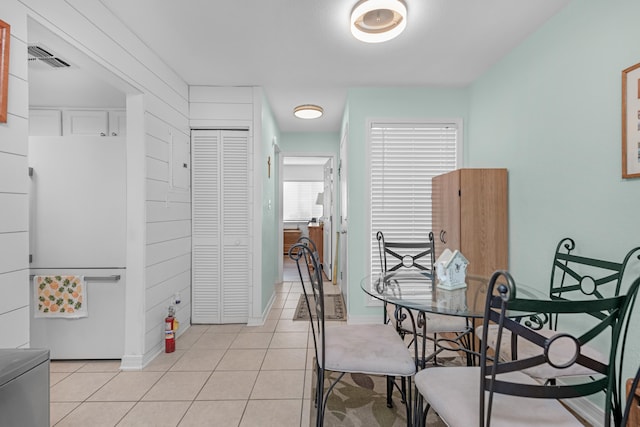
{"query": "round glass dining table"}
(414, 289)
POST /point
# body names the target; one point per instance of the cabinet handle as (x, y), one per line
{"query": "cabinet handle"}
(114, 134)
(103, 134)
(443, 236)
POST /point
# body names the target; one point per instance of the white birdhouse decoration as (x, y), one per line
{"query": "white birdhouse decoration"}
(451, 269)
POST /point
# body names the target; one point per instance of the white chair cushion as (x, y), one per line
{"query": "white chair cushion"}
(527, 349)
(453, 393)
(367, 349)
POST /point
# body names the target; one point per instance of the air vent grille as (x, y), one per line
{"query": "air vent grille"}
(38, 54)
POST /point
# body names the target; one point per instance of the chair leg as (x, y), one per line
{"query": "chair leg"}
(319, 398)
(408, 400)
(390, 381)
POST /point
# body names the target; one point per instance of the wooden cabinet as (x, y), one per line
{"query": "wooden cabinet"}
(315, 234)
(291, 236)
(470, 214)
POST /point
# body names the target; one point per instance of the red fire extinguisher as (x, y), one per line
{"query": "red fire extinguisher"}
(169, 331)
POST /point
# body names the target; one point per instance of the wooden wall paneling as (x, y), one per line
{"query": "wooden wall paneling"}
(14, 248)
(156, 190)
(157, 273)
(221, 94)
(221, 111)
(159, 211)
(157, 169)
(19, 294)
(15, 337)
(171, 285)
(172, 115)
(14, 135)
(101, 35)
(156, 148)
(14, 174)
(18, 63)
(164, 251)
(14, 214)
(102, 17)
(18, 100)
(160, 231)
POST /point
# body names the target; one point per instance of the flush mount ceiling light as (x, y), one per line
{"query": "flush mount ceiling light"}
(308, 111)
(375, 21)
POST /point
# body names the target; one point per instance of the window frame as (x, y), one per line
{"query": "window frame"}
(370, 122)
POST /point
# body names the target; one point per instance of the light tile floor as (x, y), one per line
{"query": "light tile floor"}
(219, 375)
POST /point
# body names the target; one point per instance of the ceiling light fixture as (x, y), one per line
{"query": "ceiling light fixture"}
(375, 21)
(308, 111)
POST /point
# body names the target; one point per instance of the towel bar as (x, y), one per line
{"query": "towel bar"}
(113, 277)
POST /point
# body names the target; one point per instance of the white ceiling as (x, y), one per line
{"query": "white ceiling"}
(301, 51)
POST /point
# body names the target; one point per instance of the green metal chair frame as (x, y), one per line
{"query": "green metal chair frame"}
(501, 305)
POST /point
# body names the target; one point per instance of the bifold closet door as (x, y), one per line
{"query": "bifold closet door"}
(221, 257)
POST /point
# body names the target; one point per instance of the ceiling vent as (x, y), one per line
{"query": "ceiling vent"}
(39, 54)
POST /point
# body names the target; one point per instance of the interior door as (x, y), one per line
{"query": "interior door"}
(342, 241)
(327, 210)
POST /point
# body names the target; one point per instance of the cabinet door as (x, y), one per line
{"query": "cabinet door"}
(117, 123)
(85, 122)
(45, 123)
(483, 220)
(445, 199)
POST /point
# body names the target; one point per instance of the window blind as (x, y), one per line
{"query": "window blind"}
(299, 200)
(404, 158)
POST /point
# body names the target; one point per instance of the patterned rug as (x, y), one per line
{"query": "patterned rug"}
(334, 308)
(360, 400)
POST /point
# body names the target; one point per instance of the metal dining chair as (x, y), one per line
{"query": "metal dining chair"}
(500, 393)
(396, 256)
(367, 349)
(573, 278)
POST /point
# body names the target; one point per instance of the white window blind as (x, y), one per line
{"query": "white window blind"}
(404, 158)
(299, 200)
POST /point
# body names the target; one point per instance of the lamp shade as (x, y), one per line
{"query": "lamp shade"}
(320, 199)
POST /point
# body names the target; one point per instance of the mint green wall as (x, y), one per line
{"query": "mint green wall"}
(550, 113)
(382, 103)
(269, 211)
(310, 142)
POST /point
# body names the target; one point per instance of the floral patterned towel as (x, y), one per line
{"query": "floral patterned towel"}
(60, 296)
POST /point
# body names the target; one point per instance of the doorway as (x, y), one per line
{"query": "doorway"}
(78, 118)
(307, 205)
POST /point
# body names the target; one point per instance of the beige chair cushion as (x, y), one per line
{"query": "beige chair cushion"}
(527, 349)
(453, 393)
(367, 349)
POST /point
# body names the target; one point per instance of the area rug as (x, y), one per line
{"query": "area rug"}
(334, 308)
(360, 400)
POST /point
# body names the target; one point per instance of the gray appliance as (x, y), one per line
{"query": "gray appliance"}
(24, 387)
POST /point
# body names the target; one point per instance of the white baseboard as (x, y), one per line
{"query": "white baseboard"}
(589, 411)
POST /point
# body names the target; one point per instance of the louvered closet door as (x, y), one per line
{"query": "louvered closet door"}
(235, 226)
(220, 222)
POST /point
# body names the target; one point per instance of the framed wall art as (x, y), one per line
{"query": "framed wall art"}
(4, 68)
(631, 122)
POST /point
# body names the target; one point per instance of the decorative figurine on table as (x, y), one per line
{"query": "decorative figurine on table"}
(451, 269)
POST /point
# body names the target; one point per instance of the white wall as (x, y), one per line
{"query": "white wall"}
(159, 229)
(14, 184)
